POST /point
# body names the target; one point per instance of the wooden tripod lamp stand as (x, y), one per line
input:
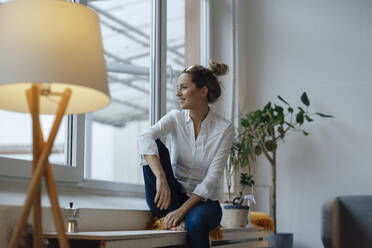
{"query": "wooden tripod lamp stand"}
(51, 62)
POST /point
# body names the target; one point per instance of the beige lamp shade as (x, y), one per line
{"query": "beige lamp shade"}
(56, 44)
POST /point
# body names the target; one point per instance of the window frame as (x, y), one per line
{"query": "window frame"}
(73, 175)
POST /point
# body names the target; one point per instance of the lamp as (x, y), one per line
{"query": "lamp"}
(51, 61)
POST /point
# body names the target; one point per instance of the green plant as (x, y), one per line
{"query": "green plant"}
(261, 131)
(245, 180)
(241, 156)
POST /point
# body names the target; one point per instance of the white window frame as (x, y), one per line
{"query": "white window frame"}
(72, 175)
(205, 43)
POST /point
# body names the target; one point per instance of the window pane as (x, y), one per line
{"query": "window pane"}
(175, 48)
(112, 132)
(16, 136)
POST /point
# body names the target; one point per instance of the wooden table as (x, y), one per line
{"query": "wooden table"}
(233, 238)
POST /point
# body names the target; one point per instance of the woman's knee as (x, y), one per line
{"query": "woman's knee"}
(205, 216)
(196, 221)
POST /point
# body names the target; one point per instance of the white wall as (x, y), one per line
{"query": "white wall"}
(227, 43)
(286, 47)
(322, 47)
(221, 49)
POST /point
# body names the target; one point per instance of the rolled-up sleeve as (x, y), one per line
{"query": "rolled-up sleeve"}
(206, 188)
(146, 141)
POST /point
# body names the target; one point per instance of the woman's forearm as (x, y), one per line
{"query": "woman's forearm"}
(191, 202)
(155, 165)
(163, 193)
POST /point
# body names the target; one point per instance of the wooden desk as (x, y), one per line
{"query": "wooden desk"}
(233, 238)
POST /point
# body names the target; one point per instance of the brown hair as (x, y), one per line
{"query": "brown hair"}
(202, 76)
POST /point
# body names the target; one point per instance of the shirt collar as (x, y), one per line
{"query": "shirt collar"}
(209, 116)
(188, 118)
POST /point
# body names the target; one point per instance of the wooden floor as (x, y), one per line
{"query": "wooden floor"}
(233, 238)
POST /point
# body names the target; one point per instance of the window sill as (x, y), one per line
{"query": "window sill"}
(116, 188)
(102, 187)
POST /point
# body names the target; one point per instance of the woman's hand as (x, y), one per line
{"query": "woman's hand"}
(173, 218)
(163, 193)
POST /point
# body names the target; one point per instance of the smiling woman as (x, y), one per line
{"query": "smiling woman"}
(203, 78)
(183, 186)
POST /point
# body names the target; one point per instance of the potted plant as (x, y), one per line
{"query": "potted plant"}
(241, 157)
(245, 180)
(236, 214)
(260, 133)
(268, 126)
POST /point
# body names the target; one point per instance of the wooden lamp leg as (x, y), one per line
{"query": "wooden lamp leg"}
(58, 220)
(34, 110)
(39, 171)
(51, 187)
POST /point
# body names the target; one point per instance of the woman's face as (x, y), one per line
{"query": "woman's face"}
(190, 97)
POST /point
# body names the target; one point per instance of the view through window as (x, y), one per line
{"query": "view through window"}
(175, 49)
(16, 136)
(113, 131)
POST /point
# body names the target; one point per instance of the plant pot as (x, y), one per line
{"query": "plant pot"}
(282, 240)
(234, 215)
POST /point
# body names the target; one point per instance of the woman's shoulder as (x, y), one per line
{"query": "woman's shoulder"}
(222, 123)
(221, 120)
(176, 114)
(174, 111)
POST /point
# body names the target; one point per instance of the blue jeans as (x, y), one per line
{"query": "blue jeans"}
(200, 220)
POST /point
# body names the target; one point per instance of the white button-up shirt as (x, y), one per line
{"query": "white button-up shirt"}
(197, 164)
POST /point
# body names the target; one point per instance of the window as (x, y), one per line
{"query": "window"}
(16, 145)
(102, 145)
(16, 137)
(113, 131)
(175, 49)
(111, 145)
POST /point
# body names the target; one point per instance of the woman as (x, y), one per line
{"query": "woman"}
(184, 187)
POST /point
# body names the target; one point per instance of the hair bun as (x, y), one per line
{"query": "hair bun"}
(217, 68)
